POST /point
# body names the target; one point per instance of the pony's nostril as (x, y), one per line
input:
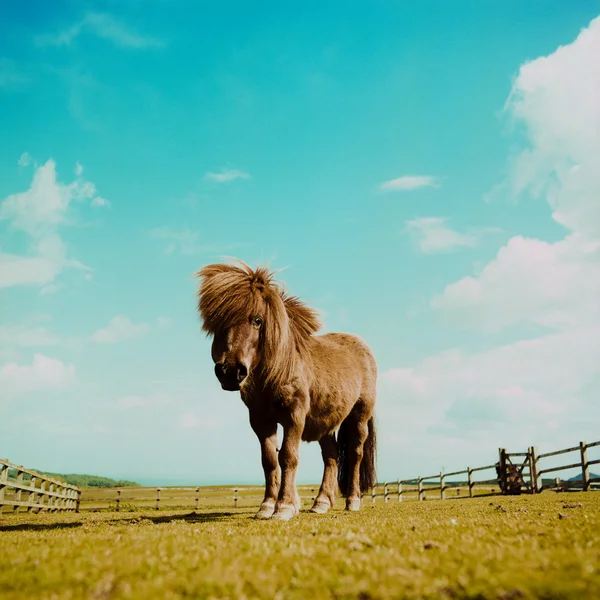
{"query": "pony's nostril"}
(242, 372)
(220, 369)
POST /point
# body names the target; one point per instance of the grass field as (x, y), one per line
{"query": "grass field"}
(545, 546)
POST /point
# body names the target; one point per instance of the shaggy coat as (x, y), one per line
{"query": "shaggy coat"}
(314, 386)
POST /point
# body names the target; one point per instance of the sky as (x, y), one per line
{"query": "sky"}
(425, 174)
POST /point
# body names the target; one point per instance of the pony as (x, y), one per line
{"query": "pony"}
(319, 388)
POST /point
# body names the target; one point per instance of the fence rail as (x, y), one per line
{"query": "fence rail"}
(587, 482)
(42, 492)
(511, 476)
(515, 472)
(195, 497)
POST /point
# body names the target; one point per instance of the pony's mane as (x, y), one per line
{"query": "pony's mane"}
(229, 294)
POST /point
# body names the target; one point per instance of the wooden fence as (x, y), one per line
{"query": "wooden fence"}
(172, 497)
(37, 494)
(586, 482)
(515, 472)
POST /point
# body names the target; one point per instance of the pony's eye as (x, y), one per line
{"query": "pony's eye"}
(256, 321)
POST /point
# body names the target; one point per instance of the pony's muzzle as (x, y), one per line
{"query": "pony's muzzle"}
(231, 375)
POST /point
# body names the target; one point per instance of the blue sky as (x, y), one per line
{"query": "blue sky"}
(426, 172)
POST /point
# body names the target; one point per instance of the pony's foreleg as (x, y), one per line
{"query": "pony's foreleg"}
(266, 432)
(355, 457)
(288, 502)
(326, 497)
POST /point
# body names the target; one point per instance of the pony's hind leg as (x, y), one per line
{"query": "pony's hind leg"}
(361, 448)
(266, 431)
(326, 497)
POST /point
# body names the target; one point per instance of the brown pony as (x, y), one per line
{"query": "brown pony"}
(264, 345)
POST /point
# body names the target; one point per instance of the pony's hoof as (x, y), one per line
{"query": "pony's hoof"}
(285, 513)
(320, 508)
(353, 504)
(266, 511)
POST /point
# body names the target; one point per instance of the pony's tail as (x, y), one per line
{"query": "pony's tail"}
(368, 476)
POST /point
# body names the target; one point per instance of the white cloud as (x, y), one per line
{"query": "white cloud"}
(557, 98)
(458, 405)
(189, 420)
(39, 213)
(148, 404)
(132, 402)
(409, 182)
(18, 270)
(44, 373)
(100, 202)
(104, 26)
(226, 175)
(432, 235)
(185, 241)
(51, 288)
(163, 321)
(554, 285)
(537, 390)
(24, 335)
(25, 160)
(194, 420)
(119, 328)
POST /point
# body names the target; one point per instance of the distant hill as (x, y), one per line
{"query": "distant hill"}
(579, 477)
(80, 480)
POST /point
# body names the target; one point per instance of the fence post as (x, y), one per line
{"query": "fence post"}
(470, 479)
(534, 477)
(585, 468)
(118, 507)
(442, 486)
(3, 479)
(197, 498)
(421, 494)
(386, 493)
(78, 502)
(40, 496)
(373, 492)
(32, 495)
(235, 498)
(502, 467)
(18, 494)
(399, 491)
(157, 498)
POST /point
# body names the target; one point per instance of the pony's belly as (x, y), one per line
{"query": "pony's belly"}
(315, 429)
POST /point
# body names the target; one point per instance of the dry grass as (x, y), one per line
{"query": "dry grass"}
(546, 546)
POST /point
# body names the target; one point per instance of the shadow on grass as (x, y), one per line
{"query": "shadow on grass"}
(205, 517)
(39, 526)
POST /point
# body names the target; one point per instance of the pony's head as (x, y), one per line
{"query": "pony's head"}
(255, 326)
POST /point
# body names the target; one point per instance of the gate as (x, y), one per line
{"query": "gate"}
(511, 473)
